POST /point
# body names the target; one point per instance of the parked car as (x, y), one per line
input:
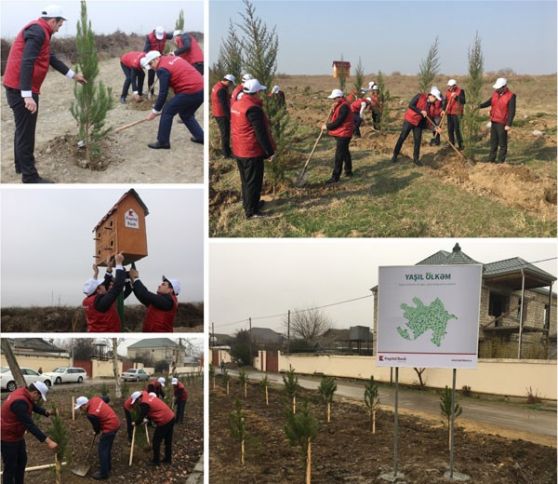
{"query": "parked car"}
(134, 374)
(67, 374)
(30, 376)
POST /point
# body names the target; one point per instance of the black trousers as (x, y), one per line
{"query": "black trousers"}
(180, 407)
(251, 179)
(129, 428)
(417, 137)
(376, 118)
(498, 139)
(14, 458)
(454, 130)
(163, 432)
(150, 80)
(224, 124)
(105, 452)
(24, 136)
(357, 120)
(129, 72)
(342, 156)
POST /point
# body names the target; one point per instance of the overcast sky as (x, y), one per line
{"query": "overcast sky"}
(48, 247)
(253, 279)
(106, 16)
(395, 36)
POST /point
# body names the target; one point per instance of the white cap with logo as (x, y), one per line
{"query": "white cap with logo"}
(53, 11)
(252, 86)
(500, 83)
(175, 283)
(80, 402)
(436, 93)
(335, 94)
(452, 82)
(91, 285)
(174, 381)
(246, 77)
(161, 380)
(151, 55)
(159, 32)
(230, 77)
(42, 388)
(135, 396)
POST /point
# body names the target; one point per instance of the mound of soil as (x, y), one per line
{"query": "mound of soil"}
(346, 451)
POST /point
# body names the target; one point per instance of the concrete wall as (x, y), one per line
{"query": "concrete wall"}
(103, 369)
(47, 363)
(500, 377)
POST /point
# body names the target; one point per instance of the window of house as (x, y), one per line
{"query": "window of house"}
(497, 304)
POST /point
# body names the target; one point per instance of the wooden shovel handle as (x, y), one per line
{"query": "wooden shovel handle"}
(129, 125)
(132, 447)
(449, 142)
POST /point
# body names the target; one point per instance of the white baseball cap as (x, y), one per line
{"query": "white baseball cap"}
(452, 82)
(159, 32)
(175, 283)
(174, 381)
(80, 402)
(246, 77)
(134, 396)
(500, 83)
(151, 55)
(53, 11)
(42, 388)
(252, 86)
(275, 89)
(436, 93)
(336, 93)
(161, 380)
(371, 84)
(230, 77)
(91, 285)
(177, 32)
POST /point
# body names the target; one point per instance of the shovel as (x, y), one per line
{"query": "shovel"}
(129, 125)
(461, 155)
(147, 434)
(132, 446)
(84, 469)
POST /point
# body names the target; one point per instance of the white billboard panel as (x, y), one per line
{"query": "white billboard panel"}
(428, 316)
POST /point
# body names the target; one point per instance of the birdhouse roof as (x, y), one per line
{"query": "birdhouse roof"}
(129, 193)
(345, 64)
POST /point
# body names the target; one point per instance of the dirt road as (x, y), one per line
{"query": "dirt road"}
(131, 160)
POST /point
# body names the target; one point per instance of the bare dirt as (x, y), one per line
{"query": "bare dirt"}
(346, 451)
(126, 159)
(187, 444)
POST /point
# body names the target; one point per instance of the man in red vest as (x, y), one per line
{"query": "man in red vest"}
(131, 66)
(453, 109)
(180, 399)
(420, 107)
(221, 110)
(502, 112)
(26, 69)
(156, 386)
(252, 143)
(376, 106)
(105, 422)
(187, 84)
(155, 40)
(161, 307)
(127, 406)
(435, 115)
(154, 409)
(15, 419)
(189, 49)
(358, 107)
(100, 301)
(340, 126)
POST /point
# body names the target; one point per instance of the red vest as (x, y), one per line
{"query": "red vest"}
(346, 128)
(155, 385)
(375, 101)
(416, 118)
(159, 412)
(156, 44)
(127, 404)
(356, 105)
(184, 79)
(98, 322)
(236, 91)
(453, 106)
(180, 392)
(40, 68)
(499, 107)
(12, 429)
(194, 55)
(216, 107)
(107, 418)
(159, 321)
(243, 136)
(132, 59)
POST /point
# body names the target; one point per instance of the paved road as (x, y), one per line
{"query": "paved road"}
(508, 420)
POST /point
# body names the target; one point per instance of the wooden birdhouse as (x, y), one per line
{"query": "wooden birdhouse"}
(122, 229)
(341, 69)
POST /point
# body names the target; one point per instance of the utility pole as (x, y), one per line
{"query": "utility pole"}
(250, 323)
(289, 331)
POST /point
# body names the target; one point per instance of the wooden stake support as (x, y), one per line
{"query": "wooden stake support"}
(132, 447)
(73, 409)
(147, 434)
(39, 468)
(309, 463)
(266, 396)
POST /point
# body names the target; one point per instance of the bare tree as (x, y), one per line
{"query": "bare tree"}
(308, 324)
(12, 363)
(117, 388)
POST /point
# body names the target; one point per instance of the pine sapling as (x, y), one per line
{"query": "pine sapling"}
(429, 67)
(301, 429)
(238, 427)
(445, 409)
(179, 24)
(327, 388)
(226, 379)
(359, 77)
(243, 380)
(58, 433)
(264, 384)
(372, 401)
(290, 380)
(474, 86)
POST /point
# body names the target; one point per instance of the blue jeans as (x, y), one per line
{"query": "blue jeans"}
(185, 105)
(105, 448)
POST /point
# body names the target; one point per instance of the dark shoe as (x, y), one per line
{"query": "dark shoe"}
(331, 181)
(159, 146)
(122, 100)
(394, 159)
(166, 461)
(154, 463)
(460, 148)
(432, 142)
(38, 179)
(194, 140)
(99, 477)
(418, 162)
(256, 215)
(349, 174)
(18, 170)
(261, 203)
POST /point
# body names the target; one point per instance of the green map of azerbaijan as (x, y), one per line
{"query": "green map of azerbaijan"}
(422, 318)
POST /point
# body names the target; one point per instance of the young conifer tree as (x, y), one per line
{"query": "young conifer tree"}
(60, 435)
(359, 77)
(301, 429)
(93, 100)
(327, 388)
(445, 409)
(429, 68)
(237, 426)
(385, 101)
(179, 24)
(372, 401)
(243, 380)
(473, 91)
(290, 380)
